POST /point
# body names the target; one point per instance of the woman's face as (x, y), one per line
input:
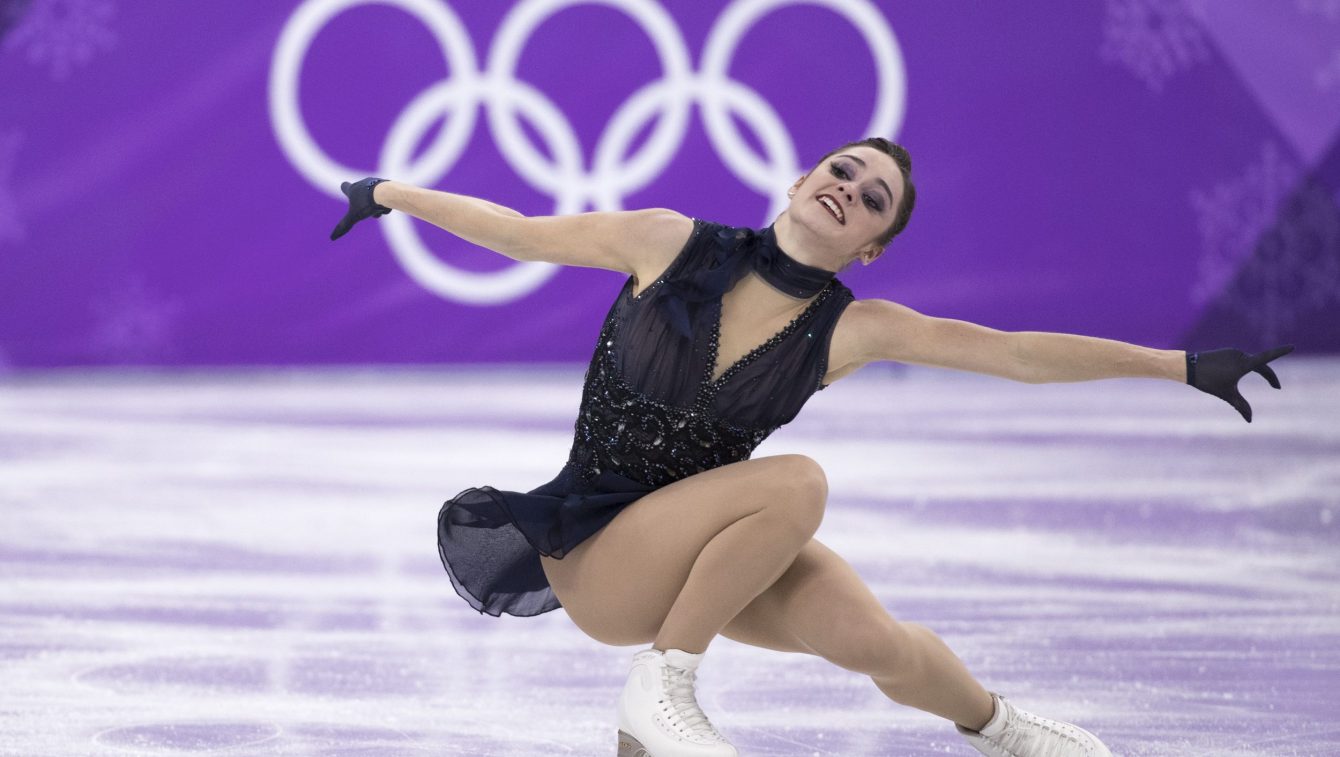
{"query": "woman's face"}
(847, 202)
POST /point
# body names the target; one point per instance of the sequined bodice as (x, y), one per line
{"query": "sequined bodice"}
(677, 421)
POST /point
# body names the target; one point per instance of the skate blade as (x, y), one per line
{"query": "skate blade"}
(631, 747)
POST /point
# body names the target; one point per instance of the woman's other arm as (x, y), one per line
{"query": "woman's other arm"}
(1051, 358)
(633, 241)
(473, 219)
(889, 331)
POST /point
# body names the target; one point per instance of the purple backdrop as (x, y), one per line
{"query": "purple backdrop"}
(1160, 172)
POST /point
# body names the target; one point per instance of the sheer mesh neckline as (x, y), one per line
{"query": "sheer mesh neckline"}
(669, 335)
(714, 348)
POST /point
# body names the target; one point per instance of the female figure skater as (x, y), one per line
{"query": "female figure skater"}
(660, 528)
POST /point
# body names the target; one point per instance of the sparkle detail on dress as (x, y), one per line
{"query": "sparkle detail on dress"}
(657, 443)
(715, 343)
(650, 415)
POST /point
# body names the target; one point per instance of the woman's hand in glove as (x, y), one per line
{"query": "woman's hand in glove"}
(1217, 372)
(361, 205)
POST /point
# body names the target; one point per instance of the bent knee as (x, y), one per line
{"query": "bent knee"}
(804, 487)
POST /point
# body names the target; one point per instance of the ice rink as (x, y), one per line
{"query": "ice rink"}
(244, 563)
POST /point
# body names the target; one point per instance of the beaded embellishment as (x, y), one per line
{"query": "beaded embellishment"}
(627, 432)
(714, 344)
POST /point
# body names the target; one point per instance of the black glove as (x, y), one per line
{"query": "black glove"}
(1217, 372)
(360, 205)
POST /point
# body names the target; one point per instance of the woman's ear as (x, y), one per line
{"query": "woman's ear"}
(796, 187)
(870, 254)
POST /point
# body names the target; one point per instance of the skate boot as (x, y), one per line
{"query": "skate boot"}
(1012, 732)
(659, 714)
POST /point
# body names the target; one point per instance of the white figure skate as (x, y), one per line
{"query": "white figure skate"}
(659, 714)
(1012, 732)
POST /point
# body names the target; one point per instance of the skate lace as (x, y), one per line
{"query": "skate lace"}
(683, 705)
(1028, 735)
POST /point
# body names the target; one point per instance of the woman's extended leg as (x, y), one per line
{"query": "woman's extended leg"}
(681, 562)
(821, 604)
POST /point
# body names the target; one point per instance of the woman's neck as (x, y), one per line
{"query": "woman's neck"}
(789, 238)
(757, 296)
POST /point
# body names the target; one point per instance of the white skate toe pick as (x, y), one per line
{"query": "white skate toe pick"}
(658, 711)
(1013, 732)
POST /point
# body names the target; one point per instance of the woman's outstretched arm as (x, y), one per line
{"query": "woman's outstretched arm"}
(1051, 358)
(630, 241)
(473, 219)
(885, 330)
(889, 331)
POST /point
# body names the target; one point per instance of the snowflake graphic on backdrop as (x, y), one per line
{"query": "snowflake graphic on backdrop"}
(10, 13)
(1154, 39)
(1328, 8)
(1327, 76)
(1270, 244)
(132, 323)
(11, 228)
(63, 34)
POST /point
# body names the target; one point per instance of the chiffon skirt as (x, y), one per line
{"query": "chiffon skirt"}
(490, 541)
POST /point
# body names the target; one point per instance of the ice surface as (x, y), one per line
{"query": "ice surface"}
(244, 563)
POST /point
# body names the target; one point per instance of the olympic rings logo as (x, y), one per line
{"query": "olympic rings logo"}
(611, 178)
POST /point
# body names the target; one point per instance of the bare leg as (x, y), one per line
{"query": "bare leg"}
(821, 606)
(938, 683)
(733, 568)
(680, 562)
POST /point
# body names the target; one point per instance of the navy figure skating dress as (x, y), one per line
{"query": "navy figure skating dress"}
(650, 413)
